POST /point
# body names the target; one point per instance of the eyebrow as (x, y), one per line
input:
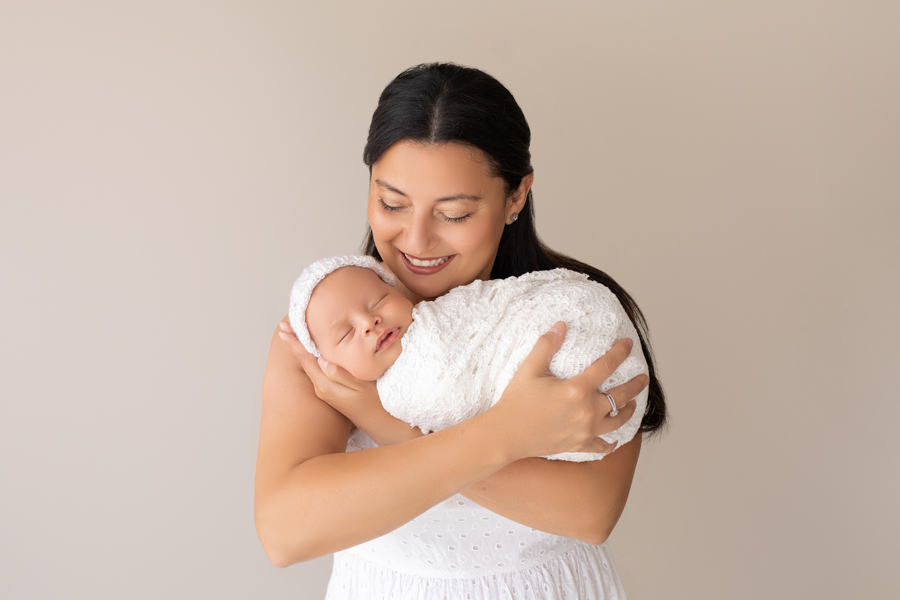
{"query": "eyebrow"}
(443, 199)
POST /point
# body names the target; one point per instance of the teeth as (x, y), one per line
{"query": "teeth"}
(426, 263)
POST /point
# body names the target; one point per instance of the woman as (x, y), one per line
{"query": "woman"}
(466, 512)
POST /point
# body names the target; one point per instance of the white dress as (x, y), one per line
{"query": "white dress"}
(459, 550)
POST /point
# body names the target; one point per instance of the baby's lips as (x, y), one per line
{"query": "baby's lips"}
(383, 338)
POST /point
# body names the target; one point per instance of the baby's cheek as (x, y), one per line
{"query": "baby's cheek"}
(370, 371)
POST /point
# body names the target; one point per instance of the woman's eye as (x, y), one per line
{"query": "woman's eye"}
(387, 206)
(459, 219)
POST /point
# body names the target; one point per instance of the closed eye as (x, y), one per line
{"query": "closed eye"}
(346, 335)
(457, 219)
(380, 301)
(387, 206)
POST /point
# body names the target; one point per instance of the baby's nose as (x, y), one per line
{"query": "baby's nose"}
(372, 323)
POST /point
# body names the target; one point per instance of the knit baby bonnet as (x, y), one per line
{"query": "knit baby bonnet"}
(310, 278)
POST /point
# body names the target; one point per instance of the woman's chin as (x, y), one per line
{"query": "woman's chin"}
(429, 287)
(428, 291)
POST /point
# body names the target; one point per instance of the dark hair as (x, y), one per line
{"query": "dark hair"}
(438, 103)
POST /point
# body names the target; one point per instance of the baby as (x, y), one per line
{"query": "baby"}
(442, 362)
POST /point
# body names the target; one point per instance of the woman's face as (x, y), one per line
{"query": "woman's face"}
(437, 215)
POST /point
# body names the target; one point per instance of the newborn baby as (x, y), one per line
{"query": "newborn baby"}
(442, 362)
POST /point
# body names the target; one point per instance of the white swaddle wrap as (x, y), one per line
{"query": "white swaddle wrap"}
(463, 348)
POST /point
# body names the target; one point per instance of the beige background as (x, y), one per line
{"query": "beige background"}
(168, 168)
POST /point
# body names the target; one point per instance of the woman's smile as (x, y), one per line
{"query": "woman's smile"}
(426, 262)
(425, 266)
(437, 214)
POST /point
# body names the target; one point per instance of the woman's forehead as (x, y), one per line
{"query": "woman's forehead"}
(434, 171)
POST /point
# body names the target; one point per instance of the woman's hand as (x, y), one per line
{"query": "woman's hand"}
(337, 387)
(356, 399)
(545, 415)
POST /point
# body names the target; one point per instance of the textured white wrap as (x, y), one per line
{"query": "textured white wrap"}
(463, 349)
(310, 278)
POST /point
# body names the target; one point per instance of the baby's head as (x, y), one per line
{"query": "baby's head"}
(348, 310)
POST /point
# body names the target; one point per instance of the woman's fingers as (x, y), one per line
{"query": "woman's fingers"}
(538, 360)
(623, 397)
(628, 391)
(609, 423)
(600, 446)
(604, 366)
(290, 338)
(338, 375)
(308, 362)
(567, 415)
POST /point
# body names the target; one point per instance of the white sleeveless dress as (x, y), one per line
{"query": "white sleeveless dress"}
(459, 550)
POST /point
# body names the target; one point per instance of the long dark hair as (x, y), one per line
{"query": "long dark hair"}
(442, 102)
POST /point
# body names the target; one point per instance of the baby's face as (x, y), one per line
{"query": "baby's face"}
(356, 320)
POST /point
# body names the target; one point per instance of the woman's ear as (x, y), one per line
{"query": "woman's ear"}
(517, 200)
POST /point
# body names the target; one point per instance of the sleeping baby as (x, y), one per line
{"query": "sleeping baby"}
(447, 360)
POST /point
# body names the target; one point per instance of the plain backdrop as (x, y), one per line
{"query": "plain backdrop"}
(168, 168)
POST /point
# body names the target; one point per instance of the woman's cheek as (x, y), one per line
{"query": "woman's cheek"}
(481, 238)
(382, 227)
(376, 221)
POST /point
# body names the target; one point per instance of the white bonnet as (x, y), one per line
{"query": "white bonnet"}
(310, 278)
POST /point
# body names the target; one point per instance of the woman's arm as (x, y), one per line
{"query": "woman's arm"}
(312, 498)
(581, 500)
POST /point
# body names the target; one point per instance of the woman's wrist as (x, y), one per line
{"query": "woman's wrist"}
(496, 427)
(376, 422)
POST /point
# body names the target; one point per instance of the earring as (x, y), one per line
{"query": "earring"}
(513, 218)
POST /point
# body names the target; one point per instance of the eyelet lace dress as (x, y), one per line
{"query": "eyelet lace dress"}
(459, 550)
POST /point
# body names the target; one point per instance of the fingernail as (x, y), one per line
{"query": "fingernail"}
(283, 325)
(557, 328)
(282, 336)
(322, 362)
(629, 342)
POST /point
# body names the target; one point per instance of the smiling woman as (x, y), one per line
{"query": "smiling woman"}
(468, 511)
(439, 214)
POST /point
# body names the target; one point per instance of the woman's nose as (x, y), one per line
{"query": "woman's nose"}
(420, 237)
